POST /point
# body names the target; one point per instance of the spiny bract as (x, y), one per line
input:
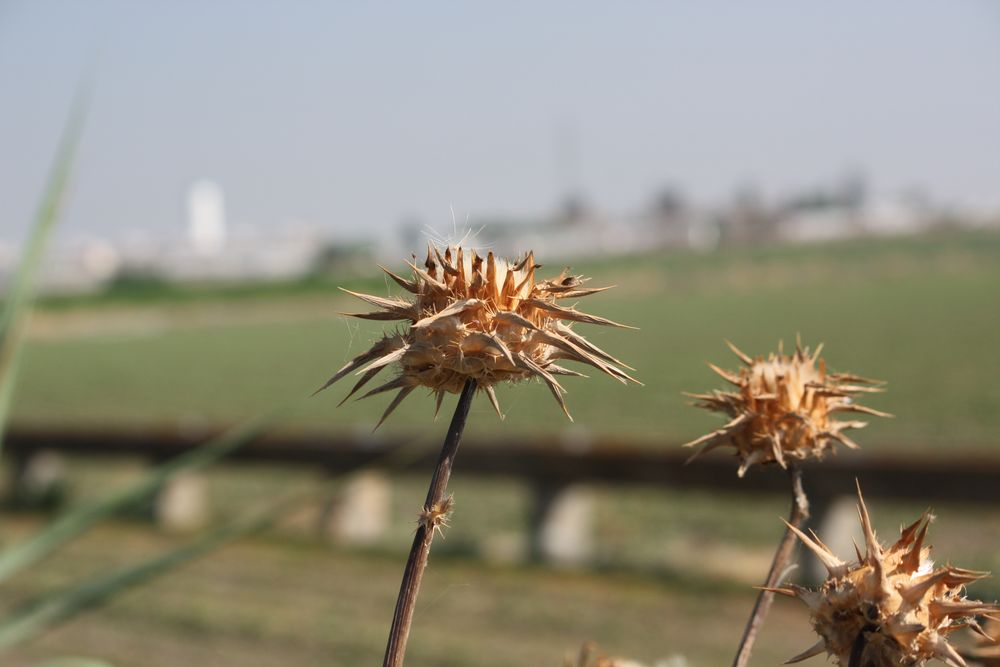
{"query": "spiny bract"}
(891, 607)
(782, 408)
(479, 318)
(987, 652)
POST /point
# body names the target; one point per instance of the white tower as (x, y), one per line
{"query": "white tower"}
(206, 217)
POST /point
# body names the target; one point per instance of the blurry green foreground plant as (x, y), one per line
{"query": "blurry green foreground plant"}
(18, 300)
(39, 615)
(473, 323)
(73, 662)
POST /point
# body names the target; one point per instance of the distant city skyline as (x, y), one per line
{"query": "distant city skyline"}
(356, 117)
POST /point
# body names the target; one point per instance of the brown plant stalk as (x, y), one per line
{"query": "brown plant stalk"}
(433, 517)
(797, 517)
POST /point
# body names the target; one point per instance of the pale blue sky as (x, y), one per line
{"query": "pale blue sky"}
(356, 115)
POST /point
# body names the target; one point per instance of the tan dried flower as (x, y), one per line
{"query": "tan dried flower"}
(481, 318)
(782, 408)
(890, 608)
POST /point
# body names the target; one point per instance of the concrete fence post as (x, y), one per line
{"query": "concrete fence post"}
(37, 480)
(361, 511)
(182, 504)
(562, 523)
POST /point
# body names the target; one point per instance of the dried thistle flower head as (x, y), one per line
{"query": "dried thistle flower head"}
(487, 319)
(782, 408)
(892, 607)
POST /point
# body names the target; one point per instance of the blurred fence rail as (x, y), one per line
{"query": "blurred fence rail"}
(557, 468)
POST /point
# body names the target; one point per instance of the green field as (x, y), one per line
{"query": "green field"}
(921, 313)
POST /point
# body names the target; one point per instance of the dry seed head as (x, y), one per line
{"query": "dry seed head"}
(782, 408)
(486, 319)
(892, 607)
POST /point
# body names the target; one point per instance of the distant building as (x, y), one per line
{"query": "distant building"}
(206, 249)
(79, 266)
(671, 222)
(206, 218)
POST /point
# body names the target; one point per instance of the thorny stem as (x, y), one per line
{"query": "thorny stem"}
(395, 649)
(797, 516)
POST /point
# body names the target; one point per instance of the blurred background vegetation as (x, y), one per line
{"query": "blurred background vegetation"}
(756, 174)
(671, 572)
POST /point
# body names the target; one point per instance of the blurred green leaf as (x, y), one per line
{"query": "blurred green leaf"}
(76, 521)
(22, 292)
(36, 617)
(73, 662)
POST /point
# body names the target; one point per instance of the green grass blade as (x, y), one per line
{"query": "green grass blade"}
(52, 609)
(73, 662)
(21, 294)
(75, 522)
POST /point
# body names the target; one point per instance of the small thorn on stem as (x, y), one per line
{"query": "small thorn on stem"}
(436, 518)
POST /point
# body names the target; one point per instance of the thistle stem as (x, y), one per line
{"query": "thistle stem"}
(797, 517)
(430, 520)
(858, 648)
